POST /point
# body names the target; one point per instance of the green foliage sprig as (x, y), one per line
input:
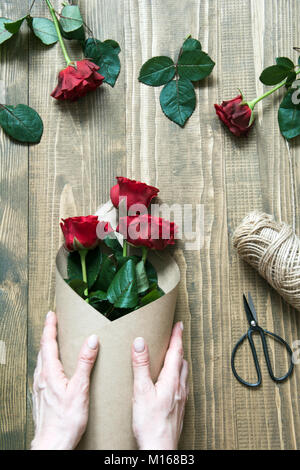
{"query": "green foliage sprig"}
(178, 97)
(116, 284)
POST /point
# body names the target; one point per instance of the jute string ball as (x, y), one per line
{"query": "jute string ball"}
(273, 249)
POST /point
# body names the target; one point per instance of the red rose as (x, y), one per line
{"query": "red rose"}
(146, 230)
(135, 191)
(80, 232)
(76, 81)
(235, 116)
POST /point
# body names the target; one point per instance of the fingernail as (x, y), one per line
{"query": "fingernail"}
(93, 342)
(49, 314)
(139, 345)
(181, 325)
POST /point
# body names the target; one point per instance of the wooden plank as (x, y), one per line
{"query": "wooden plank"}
(74, 166)
(187, 165)
(13, 242)
(258, 177)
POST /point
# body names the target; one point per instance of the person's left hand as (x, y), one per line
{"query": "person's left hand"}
(60, 406)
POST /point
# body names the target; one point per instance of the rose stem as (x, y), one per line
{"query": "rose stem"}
(145, 252)
(61, 42)
(252, 103)
(83, 254)
(124, 248)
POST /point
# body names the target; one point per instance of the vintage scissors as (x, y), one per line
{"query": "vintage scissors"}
(255, 328)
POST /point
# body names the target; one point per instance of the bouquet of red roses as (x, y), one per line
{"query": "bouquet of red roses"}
(114, 280)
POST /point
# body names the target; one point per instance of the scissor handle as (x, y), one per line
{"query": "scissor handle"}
(267, 357)
(262, 334)
(254, 355)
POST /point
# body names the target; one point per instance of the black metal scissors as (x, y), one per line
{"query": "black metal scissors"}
(255, 328)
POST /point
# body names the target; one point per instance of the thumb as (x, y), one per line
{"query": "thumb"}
(86, 360)
(142, 381)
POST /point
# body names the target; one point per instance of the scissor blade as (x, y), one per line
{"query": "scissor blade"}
(250, 317)
(252, 308)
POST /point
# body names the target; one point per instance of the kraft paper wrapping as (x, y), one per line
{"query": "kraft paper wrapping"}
(109, 426)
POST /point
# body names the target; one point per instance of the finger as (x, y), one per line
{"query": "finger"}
(173, 361)
(184, 374)
(142, 381)
(86, 360)
(49, 348)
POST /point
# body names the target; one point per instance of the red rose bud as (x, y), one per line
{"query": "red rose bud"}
(146, 230)
(80, 232)
(235, 116)
(135, 191)
(76, 81)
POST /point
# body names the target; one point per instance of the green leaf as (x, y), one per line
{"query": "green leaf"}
(106, 57)
(114, 44)
(98, 296)
(22, 123)
(14, 26)
(191, 44)
(157, 71)
(106, 274)
(273, 75)
(141, 276)
(70, 18)
(122, 292)
(153, 295)
(113, 243)
(285, 62)
(77, 34)
(178, 100)
(78, 286)
(194, 65)
(289, 115)
(151, 273)
(290, 79)
(93, 264)
(43, 29)
(4, 33)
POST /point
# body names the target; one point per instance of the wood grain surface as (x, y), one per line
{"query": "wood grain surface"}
(122, 131)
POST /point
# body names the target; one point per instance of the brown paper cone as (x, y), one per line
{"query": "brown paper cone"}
(109, 426)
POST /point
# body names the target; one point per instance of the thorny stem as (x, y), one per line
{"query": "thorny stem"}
(124, 249)
(61, 41)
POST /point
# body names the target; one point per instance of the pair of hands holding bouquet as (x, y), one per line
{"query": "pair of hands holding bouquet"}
(115, 282)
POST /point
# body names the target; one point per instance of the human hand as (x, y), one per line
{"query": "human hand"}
(60, 406)
(158, 409)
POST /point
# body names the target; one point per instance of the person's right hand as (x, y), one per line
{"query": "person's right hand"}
(158, 409)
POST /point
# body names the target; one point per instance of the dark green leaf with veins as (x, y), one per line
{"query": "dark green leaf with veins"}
(151, 296)
(70, 18)
(106, 274)
(43, 29)
(190, 44)
(157, 71)
(114, 44)
(106, 57)
(22, 123)
(122, 292)
(178, 100)
(4, 33)
(141, 276)
(14, 26)
(289, 114)
(273, 75)
(194, 65)
(285, 62)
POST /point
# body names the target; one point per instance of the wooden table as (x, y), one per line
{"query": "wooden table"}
(122, 131)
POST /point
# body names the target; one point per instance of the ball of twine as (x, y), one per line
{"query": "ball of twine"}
(273, 249)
